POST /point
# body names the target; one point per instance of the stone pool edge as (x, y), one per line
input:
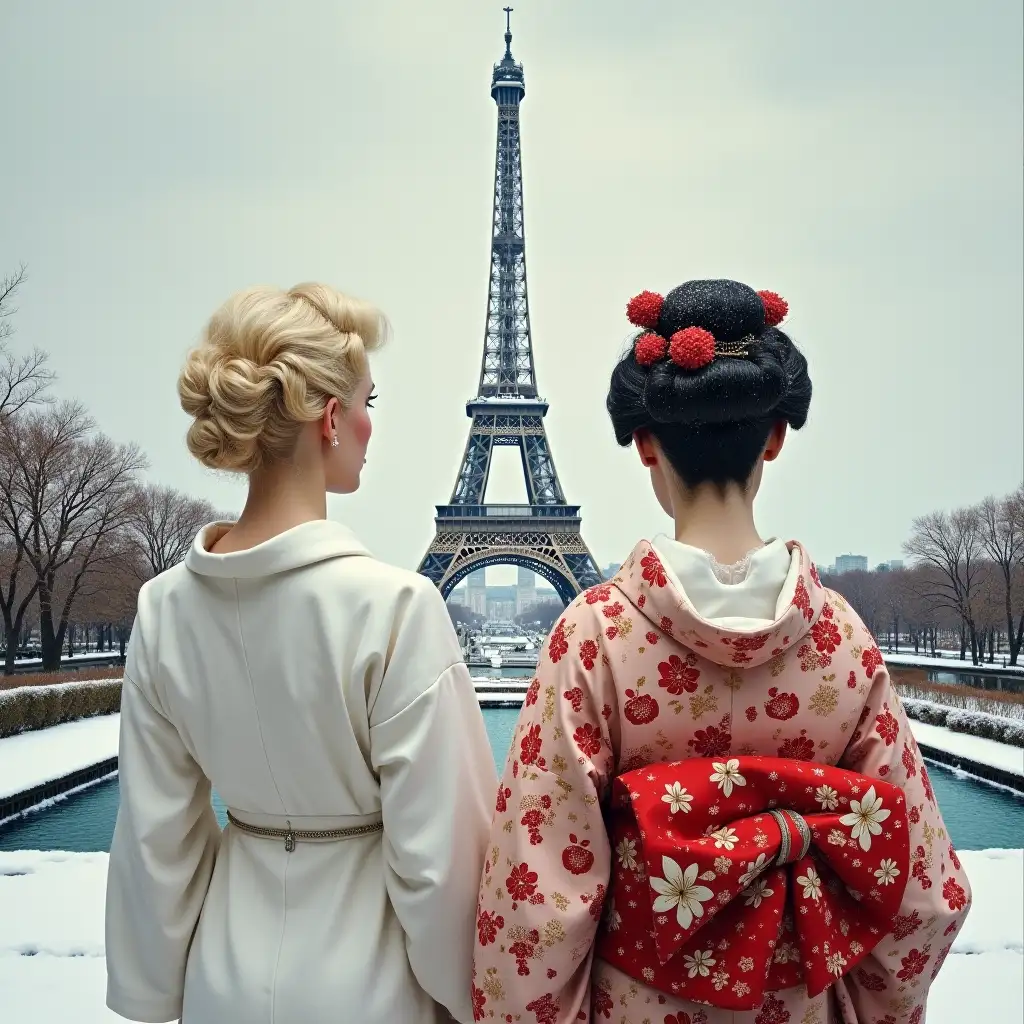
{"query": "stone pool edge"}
(18, 803)
(985, 772)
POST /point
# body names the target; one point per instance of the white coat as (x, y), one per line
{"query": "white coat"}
(315, 688)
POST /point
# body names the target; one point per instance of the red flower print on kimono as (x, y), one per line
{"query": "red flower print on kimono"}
(598, 594)
(826, 636)
(678, 677)
(530, 746)
(714, 741)
(487, 926)
(640, 708)
(871, 659)
(802, 599)
(800, 748)
(886, 726)
(653, 570)
(589, 653)
(781, 706)
(558, 646)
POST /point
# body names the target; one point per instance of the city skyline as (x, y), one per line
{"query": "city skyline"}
(877, 190)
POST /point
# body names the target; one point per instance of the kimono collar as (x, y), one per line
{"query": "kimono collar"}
(644, 581)
(302, 545)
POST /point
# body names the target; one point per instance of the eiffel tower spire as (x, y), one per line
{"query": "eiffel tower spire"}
(507, 367)
(544, 534)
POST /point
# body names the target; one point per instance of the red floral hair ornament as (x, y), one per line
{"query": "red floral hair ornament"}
(644, 309)
(775, 308)
(692, 348)
(649, 349)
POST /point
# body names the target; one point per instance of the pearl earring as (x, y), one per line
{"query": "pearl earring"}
(334, 442)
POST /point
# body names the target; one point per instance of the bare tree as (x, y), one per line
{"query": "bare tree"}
(950, 544)
(163, 527)
(24, 379)
(544, 614)
(863, 591)
(462, 616)
(65, 492)
(1002, 537)
(17, 589)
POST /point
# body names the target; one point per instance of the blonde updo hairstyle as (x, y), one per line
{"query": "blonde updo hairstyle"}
(268, 363)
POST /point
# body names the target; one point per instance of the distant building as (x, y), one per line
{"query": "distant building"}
(610, 570)
(526, 590)
(476, 592)
(851, 563)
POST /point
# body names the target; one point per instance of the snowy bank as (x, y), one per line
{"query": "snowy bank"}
(970, 748)
(51, 941)
(31, 759)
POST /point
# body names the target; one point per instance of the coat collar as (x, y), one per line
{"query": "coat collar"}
(301, 545)
(644, 581)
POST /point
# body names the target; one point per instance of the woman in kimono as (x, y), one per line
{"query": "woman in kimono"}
(321, 692)
(714, 809)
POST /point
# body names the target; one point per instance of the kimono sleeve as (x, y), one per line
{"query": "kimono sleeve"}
(437, 775)
(892, 983)
(161, 857)
(549, 861)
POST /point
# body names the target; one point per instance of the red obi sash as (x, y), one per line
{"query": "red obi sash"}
(746, 875)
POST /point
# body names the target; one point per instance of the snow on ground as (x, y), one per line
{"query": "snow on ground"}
(34, 758)
(74, 660)
(952, 663)
(974, 748)
(51, 941)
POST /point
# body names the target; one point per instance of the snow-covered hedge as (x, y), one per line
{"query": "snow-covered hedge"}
(25, 708)
(973, 723)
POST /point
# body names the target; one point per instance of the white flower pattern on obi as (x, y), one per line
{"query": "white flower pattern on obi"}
(811, 883)
(827, 797)
(679, 889)
(700, 963)
(727, 775)
(835, 963)
(626, 852)
(677, 799)
(865, 818)
(758, 891)
(725, 839)
(887, 872)
(754, 868)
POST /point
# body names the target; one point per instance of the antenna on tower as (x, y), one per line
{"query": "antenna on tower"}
(508, 30)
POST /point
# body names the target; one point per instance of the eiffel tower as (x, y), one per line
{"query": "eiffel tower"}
(543, 535)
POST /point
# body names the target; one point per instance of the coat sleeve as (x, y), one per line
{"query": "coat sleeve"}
(549, 861)
(892, 983)
(436, 775)
(161, 858)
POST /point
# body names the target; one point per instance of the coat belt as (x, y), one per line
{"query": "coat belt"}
(291, 835)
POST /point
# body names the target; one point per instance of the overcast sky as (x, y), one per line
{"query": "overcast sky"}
(864, 160)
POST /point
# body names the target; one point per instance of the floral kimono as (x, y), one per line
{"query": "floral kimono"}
(680, 794)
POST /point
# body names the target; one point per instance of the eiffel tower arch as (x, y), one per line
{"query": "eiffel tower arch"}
(544, 534)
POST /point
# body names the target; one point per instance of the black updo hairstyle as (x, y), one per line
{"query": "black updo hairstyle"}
(713, 422)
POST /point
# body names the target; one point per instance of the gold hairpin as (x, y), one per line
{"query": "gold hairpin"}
(738, 348)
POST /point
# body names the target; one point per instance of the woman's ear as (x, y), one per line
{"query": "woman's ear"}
(328, 421)
(646, 448)
(776, 439)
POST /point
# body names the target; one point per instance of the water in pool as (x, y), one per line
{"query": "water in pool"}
(978, 816)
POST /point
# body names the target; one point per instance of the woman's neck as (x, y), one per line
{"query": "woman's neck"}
(719, 523)
(280, 498)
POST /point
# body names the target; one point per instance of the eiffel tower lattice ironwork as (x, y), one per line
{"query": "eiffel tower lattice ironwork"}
(543, 535)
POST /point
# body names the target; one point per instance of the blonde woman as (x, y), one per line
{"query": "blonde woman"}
(324, 696)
